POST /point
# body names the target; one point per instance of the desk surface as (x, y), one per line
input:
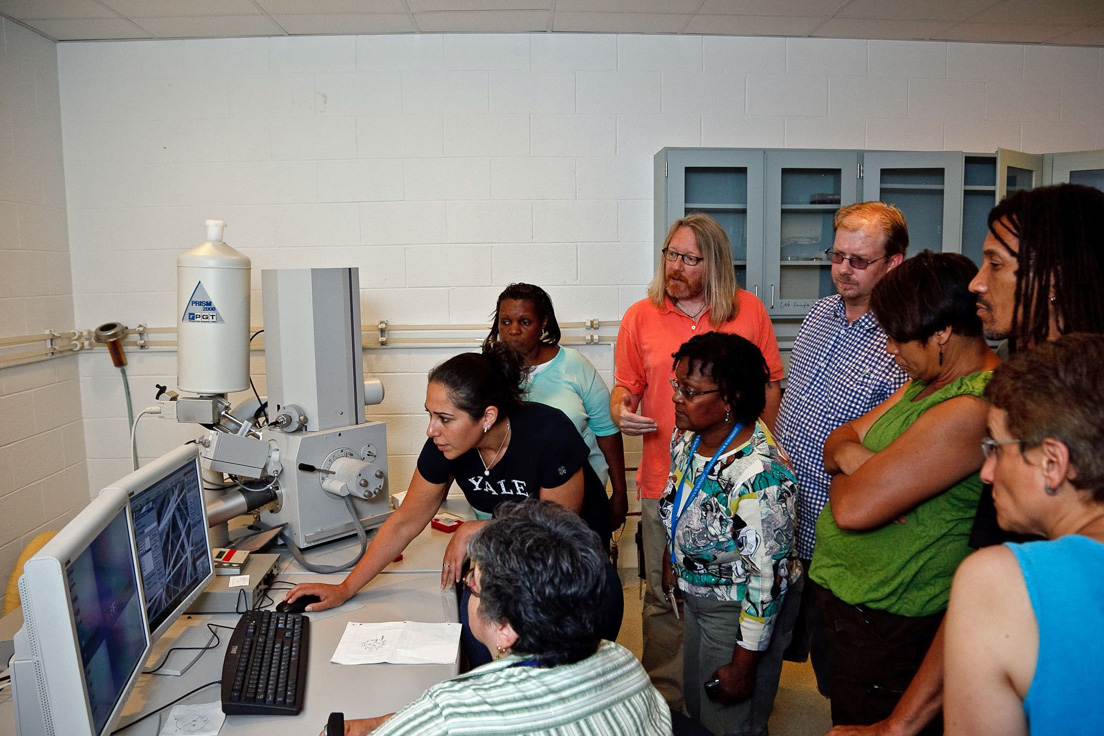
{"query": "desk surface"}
(412, 592)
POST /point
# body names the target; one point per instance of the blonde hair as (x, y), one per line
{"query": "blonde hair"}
(889, 219)
(719, 283)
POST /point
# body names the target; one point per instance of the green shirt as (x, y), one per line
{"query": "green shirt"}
(904, 568)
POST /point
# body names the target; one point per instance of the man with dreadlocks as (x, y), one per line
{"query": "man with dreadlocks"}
(1042, 276)
(1042, 273)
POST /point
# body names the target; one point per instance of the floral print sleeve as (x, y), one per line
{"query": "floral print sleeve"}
(735, 538)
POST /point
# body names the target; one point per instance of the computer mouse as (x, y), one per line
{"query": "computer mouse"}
(298, 605)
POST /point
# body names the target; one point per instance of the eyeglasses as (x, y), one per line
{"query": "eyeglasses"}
(856, 262)
(990, 446)
(674, 255)
(689, 393)
(469, 581)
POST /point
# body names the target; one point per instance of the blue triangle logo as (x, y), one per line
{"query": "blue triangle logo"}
(201, 309)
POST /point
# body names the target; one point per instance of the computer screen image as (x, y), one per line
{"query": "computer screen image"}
(85, 636)
(170, 531)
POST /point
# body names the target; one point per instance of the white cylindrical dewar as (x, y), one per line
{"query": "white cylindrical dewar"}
(212, 294)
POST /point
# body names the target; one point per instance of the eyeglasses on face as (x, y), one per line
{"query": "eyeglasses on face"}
(689, 393)
(674, 255)
(990, 446)
(469, 581)
(856, 262)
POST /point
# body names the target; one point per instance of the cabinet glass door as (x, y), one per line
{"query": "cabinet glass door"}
(726, 185)
(1078, 168)
(804, 190)
(927, 188)
(1017, 171)
(979, 194)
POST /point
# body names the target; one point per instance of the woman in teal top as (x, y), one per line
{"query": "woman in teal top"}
(904, 491)
(565, 379)
(1024, 648)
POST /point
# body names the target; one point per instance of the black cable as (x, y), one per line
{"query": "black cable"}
(265, 601)
(166, 705)
(263, 404)
(241, 599)
(165, 659)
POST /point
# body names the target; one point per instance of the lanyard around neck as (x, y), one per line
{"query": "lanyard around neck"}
(679, 507)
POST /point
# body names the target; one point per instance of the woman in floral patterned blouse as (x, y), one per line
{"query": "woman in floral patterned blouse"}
(729, 512)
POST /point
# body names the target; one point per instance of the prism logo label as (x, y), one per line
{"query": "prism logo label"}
(200, 308)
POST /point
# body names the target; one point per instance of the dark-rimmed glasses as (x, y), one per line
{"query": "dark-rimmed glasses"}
(856, 262)
(689, 393)
(990, 446)
(674, 255)
(469, 581)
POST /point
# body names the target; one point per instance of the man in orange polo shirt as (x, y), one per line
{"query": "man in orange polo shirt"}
(693, 291)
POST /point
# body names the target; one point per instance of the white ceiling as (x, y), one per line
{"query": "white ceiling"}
(1057, 22)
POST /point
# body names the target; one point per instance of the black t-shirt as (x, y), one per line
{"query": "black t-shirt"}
(545, 451)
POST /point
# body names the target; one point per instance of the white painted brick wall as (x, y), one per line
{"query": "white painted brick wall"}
(43, 471)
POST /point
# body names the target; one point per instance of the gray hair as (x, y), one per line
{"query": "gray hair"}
(542, 570)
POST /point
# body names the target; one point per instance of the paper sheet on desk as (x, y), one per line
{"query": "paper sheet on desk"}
(398, 642)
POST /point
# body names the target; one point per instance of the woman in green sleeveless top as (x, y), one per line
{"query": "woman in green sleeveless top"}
(904, 491)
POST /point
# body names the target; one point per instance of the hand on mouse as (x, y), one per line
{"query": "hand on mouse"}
(329, 596)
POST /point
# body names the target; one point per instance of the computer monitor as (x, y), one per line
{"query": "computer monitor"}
(170, 531)
(85, 637)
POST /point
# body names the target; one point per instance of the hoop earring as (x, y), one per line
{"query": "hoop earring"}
(1048, 490)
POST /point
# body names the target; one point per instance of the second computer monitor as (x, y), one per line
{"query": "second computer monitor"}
(170, 530)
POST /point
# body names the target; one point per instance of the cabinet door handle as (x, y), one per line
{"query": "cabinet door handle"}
(772, 296)
(755, 288)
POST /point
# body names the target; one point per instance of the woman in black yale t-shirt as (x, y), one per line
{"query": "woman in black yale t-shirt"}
(497, 448)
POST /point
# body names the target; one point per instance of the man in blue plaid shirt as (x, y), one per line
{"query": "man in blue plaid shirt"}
(839, 369)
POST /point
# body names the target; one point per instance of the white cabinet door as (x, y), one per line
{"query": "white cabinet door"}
(803, 191)
(927, 187)
(1086, 167)
(1017, 171)
(726, 184)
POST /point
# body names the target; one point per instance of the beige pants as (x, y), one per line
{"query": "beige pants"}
(662, 631)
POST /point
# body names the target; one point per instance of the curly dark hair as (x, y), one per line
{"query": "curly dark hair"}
(1056, 389)
(542, 570)
(475, 381)
(1060, 263)
(736, 365)
(925, 294)
(542, 304)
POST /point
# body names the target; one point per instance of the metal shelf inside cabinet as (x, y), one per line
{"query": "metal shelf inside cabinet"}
(912, 187)
(716, 207)
(805, 262)
(978, 188)
(810, 207)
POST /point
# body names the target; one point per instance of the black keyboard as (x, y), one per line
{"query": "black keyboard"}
(265, 669)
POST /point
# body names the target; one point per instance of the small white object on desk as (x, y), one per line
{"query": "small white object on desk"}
(398, 642)
(194, 719)
(238, 581)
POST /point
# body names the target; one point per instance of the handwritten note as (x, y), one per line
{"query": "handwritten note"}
(398, 642)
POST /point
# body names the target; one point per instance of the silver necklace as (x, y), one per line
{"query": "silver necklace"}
(487, 467)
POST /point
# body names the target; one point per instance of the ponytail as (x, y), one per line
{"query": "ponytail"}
(475, 381)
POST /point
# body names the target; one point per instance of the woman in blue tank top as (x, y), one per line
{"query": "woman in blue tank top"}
(1025, 627)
